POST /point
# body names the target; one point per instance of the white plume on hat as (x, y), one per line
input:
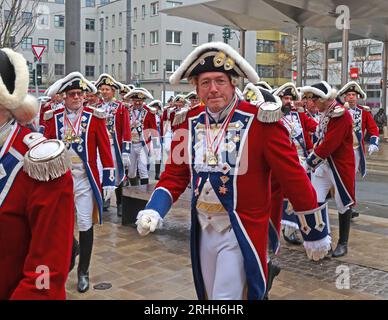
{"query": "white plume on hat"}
(23, 106)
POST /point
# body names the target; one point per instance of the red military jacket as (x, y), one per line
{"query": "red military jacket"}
(93, 137)
(336, 145)
(242, 183)
(36, 228)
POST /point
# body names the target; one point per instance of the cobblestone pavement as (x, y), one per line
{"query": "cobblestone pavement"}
(158, 266)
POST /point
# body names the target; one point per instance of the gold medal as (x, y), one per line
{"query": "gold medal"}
(212, 159)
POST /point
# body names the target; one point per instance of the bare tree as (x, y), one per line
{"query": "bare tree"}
(17, 21)
(312, 57)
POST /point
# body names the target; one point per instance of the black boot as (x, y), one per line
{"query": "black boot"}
(157, 171)
(144, 181)
(344, 229)
(74, 253)
(86, 245)
(119, 194)
(273, 271)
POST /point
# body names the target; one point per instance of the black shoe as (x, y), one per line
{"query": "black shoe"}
(83, 281)
(340, 251)
(292, 239)
(273, 271)
(144, 181)
(74, 253)
(106, 205)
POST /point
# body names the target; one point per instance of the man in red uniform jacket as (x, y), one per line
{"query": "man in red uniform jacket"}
(144, 133)
(333, 157)
(117, 123)
(216, 148)
(362, 122)
(83, 131)
(36, 195)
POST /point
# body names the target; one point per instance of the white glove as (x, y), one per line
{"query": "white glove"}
(126, 160)
(372, 149)
(147, 221)
(107, 193)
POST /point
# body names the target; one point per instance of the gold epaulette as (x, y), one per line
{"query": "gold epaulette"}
(180, 116)
(98, 113)
(338, 112)
(48, 115)
(46, 159)
(269, 112)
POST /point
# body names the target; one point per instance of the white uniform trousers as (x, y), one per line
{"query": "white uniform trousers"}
(139, 160)
(83, 197)
(222, 264)
(323, 180)
(357, 159)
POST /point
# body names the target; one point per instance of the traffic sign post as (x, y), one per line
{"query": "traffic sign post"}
(38, 51)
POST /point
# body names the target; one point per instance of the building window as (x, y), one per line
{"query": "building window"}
(89, 71)
(106, 69)
(173, 37)
(59, 21)
(120, 18)
(113, 71)
(106, 46)
(331, 54)
(154, 8)
(102, 2)
(359, 52)
(60, 1)
(143, 39)
(27, 18)
(43, 19)
(154, 67)
(120, 44)
(265, 46)
(113, 20)
(375, 50)
(210, 37)
(59, 69)
(172, 4)
(134, 67)
(172, 65)
(265, 71)
(195, 38)
(134, 41)
(26, 43)
(154, 37)
(142, 67)
(113, 45)
(89, 47)
(44, 68)
(134, 14)
(106, 22)
(143, 11)
(120, 71)
(90, 24)
(90, 3)
(44, 42)
(59, 46)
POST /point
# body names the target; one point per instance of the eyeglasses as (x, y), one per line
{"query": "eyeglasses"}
(75, 93)
(206, 83)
